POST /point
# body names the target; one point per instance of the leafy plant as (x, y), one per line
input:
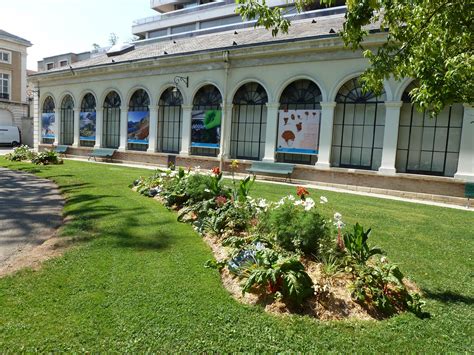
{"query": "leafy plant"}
(381, 285)
(294, 228)
(47, 157)
(357, 247)
(273, 272)
(20, 153)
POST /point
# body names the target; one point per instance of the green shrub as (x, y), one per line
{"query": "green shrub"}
(20, 153)
(296, 227)
(47, 157)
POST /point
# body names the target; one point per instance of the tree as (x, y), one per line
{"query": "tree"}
(429, 40)
(113, 39)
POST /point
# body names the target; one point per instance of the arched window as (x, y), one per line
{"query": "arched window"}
(359, 122)
(301, 98)
(249, 121)
(48, 121)
(428, 145)
(111, 135)
(67, 121)
(170, 120)
(206, 121)
(138, 120)
(87, 121)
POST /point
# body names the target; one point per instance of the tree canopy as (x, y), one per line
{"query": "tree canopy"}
(431, 41)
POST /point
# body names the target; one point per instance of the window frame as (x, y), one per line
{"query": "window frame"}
(9, 87)
(47, 64)
(9, 53)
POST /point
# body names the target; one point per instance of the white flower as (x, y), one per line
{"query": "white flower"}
(337, 216)
(262, 203)
(323, 200)
(308, 204)
(339, 224)
(207, 190)
(298, 203)
(290, 197)
(383, 259)
(163, 174)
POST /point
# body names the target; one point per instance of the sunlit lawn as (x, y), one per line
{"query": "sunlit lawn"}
(136, 281)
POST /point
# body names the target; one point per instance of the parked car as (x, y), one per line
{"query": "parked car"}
(10, 135)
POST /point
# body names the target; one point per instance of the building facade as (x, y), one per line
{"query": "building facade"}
(13, 95)
(256, 85)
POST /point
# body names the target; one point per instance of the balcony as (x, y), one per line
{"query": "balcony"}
(166, 5)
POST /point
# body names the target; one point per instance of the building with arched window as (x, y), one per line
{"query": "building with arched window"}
(243, 94)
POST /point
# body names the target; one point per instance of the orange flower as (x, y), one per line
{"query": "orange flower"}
(216, 170)
(301, 191)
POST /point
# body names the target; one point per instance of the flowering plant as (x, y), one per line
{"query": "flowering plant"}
(302, 192)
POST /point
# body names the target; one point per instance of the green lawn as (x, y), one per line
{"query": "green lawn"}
(137, 281)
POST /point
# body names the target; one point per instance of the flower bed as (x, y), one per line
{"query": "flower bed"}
(284, 255)
(23, 153)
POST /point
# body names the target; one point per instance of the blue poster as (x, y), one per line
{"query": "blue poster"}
(206, 128)
(87, 126)
(47, 125)
(138, 126)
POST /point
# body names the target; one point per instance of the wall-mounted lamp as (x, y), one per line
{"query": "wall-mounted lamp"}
(178, 78)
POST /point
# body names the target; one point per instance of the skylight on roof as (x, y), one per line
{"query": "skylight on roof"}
(119, 49)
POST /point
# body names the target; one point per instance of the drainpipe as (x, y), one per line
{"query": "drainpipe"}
(225, 57)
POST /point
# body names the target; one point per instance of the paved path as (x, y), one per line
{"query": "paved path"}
(30, 211)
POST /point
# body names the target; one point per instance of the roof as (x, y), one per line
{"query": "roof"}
(12, 38)
(327, 26)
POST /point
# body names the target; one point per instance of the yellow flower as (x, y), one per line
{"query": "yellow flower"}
(235, 164)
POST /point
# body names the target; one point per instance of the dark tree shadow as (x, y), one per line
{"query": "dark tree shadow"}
(448, 297)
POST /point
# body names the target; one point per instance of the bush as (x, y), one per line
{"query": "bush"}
(47, 157)
(20, 153)
(296, 226)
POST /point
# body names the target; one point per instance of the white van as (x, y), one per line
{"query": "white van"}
(10, 135)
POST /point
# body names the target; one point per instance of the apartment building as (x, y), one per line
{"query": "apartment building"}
(13, 92)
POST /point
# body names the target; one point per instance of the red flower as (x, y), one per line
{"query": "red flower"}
(216, 170)
(221, 200)
(301, 192)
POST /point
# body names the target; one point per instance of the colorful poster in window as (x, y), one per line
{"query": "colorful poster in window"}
(87, 124)
(138, 127)
(47, 125)
(298, 131)
(206, 128)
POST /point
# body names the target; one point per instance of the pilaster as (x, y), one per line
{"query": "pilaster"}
(271, 131)
(466, 152)
(152, 135)
(186, 130)
(390, 137)
(123, 129)
(325, 134)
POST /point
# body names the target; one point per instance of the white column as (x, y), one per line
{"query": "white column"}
(57, 126)
(390, 137)
(466, 151)
(186, 130)
(271, 131)
(153, 129)
(36, 120)
(77, 138)
(99, 126)
(226, 124)
(123, 129)
(325, 134)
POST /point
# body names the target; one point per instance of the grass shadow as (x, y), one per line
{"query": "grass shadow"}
(448, 297)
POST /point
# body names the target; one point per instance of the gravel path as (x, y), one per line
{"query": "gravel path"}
(30, 211)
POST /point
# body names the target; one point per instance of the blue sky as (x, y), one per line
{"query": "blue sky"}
(61, 26)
